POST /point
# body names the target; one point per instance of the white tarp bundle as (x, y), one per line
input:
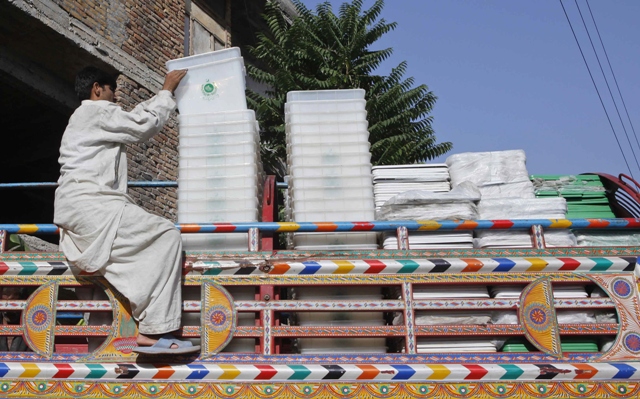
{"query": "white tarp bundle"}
(522, 208)
(496, 173)
(459, 203)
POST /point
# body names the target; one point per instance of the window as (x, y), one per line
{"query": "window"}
(208, 26)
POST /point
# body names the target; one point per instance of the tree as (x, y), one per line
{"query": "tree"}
(321, 50)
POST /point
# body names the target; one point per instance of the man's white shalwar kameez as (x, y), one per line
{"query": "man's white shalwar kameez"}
(101, 229)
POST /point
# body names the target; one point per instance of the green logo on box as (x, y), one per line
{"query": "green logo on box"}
(209, 88)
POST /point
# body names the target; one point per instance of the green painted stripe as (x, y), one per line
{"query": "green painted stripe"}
(28, 268)
(299, 372)
(213, 271)
(512, 372)
(408, 266)
(97, 371)
(601, 264)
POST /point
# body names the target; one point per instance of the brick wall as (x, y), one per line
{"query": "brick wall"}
(152, 32)
(155, 159)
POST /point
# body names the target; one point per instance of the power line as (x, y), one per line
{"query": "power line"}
(596, 87)
(613, 74)
(607, 84)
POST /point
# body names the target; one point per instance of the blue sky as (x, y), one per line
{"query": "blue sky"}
(509, 75)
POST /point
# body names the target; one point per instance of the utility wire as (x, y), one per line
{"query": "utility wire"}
(608, 87)
(613, 74)
(596, 87)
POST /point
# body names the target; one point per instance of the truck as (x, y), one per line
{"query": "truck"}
(245, 308)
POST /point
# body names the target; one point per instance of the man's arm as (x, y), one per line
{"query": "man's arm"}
(146, 119)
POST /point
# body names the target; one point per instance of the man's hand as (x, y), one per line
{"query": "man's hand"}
(173, 78)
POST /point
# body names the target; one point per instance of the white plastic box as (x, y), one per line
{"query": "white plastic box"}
(214, 87)
(333, 292)
(329, 193)
(329, 170)
(325, 95)
(215, 241)
(326, 128)
(363, 215)
(228, 182)
(325, 139)
(219, 216)
(216, 145)
(336, 204)
(218, 117)
(324, 117)
(331, 181)
(328, 151)
(340, 318)
(203, 172)
(219, 160)
(324, 346)
(219, 127)
(325, 106)
(205, 58)
(224, 203)
(250, 191)
(335, 241)
(334, 158)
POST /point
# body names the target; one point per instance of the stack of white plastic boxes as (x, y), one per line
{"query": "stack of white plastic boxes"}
(329, 166)
(330, 180)
(219, 171)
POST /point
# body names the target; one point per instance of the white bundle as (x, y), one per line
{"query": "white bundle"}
(604, 238)
(523, 189)
(564, 316)
(458, 203)
(522, 239)
(488, 168)
(520, 208)
(441, 317)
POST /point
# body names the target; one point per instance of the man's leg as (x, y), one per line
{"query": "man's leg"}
(145, 266)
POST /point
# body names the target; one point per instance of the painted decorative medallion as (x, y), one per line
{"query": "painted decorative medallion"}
(39, 319)
(119, 344)
(218, 318)
(538, 317)
(622, 288)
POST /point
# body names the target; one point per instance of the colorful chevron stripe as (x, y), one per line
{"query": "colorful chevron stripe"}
(450, 265)
(411, 225)
(317, 372)
(361, 266)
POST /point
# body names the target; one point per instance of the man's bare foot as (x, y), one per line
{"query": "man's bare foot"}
(149, 340)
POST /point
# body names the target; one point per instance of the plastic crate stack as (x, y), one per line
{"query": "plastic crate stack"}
(332, 345)
(219, 170)
(329, 166)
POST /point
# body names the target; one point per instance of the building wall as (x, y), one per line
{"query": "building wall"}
(44, 43)
(151, 32)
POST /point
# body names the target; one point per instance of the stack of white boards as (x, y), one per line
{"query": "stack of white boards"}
(219, 170)
(509, 291)
(457, 345)
(329, 166)
(390, 180)
(448, 317)
(418, 192)
(340, 345)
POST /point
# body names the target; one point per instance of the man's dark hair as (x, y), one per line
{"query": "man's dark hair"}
(88, 76)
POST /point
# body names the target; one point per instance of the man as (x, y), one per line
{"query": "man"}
(101, 229)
